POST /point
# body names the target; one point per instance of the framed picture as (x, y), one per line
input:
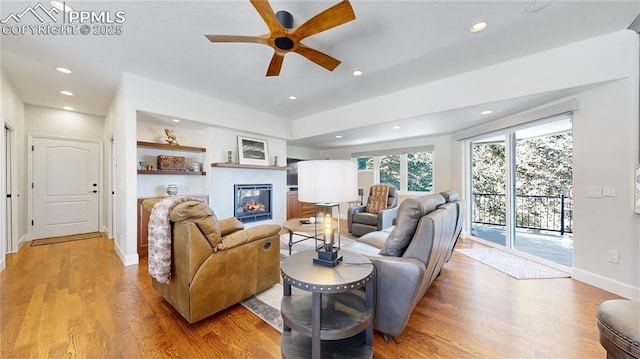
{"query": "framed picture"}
(252, 151)
(637, 189)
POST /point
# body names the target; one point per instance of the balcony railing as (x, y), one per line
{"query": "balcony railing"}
(549, 213)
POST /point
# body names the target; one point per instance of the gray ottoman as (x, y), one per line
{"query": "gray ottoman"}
(619, 325)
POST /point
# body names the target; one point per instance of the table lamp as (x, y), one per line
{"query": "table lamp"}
(326, 183)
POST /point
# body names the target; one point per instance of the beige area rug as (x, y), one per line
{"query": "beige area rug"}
(62, 239)
(266, 304)
(515, 266)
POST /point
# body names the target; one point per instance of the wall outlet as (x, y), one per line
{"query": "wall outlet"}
(614, 256)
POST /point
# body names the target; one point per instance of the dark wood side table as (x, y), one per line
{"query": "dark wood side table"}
(337, 318)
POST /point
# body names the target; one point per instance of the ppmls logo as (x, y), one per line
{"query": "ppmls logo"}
(67, 22)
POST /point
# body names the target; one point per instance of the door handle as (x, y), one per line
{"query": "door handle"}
(94, 191)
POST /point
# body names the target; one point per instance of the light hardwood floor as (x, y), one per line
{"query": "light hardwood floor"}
(76, 300)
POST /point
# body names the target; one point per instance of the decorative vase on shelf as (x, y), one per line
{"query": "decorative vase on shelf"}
(229, 156)
(172, 189)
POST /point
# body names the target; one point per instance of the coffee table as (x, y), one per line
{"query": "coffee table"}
(294, 227)
(336, 319)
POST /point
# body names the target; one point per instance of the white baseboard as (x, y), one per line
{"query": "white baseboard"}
(127, 260)
(615, 287)
(106, 230)
(22, 241)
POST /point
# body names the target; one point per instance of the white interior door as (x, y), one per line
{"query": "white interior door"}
(65, 187)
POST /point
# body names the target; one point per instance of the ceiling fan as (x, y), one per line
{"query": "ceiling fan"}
(283, 38)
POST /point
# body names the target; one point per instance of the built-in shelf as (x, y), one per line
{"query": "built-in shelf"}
(255, 167)
(166, 146)
(173, 173)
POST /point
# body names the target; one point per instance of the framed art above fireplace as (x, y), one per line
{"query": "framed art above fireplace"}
(253, 151)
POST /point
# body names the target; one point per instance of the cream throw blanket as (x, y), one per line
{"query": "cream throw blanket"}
(159, 252)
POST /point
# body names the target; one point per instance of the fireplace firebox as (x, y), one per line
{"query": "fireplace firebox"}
(252, 202)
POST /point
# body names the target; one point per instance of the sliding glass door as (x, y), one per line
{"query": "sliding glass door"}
(521, 190)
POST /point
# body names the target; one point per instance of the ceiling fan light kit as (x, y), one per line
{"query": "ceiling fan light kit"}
(284, 38)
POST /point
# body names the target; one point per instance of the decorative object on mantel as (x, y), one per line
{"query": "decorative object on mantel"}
(196, 167)
(327, 183)
(172, 189)
(143, 165)
(149, 167)
(275, 161)
(171, 138)
(229, 156)
(252, 151)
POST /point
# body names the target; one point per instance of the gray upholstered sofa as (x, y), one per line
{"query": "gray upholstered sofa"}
(410, 255)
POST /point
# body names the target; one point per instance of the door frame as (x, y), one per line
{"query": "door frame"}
(30, 179)
(12, 244)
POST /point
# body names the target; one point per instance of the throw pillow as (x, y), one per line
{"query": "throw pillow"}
(379, 194)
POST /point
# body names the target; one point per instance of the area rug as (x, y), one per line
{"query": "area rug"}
(266, 304)
(515, 266)
(62, 239)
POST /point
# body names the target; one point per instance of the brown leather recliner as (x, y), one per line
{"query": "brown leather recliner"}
(216, 264)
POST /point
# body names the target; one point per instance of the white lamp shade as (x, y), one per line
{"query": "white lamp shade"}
(327, 181)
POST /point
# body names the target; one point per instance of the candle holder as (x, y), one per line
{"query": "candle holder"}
(328, 252)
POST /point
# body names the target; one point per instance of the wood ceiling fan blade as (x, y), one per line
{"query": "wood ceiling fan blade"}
(276, 64)
(334, 16)
(318, 57)
(266, 12)
(237, 38)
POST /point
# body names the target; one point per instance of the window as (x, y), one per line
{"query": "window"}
(420, 171)
(365, 163)
(407, 171)
(390, 170)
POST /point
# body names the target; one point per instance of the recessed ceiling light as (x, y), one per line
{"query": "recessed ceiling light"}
(68, 108)
(479, 27)
(357, 73)
(338, 137)
(67, 93)
(63, 70)
(396, 127)
(292, 98)
(176, 120)
(486, 112)
(60, 5)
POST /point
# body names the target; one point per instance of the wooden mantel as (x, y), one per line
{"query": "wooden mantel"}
(253, 167)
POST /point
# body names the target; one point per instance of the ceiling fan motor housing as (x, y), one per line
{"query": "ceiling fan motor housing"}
(285, 19)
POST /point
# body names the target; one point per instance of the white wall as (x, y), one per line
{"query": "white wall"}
(60, 123)
(605, 142)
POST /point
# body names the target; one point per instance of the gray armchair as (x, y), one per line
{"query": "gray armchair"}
(360, 221)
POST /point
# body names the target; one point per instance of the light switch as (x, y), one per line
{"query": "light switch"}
(594, 192)
(609, 192)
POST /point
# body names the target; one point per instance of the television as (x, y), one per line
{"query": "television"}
(292, 174)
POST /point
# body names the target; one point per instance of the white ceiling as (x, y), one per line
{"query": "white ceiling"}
(398, 44)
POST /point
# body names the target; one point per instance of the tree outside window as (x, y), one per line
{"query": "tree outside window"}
(390, 170)
(407, 171)
(420, 171)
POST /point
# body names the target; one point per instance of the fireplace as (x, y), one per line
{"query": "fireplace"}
(252, 202)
